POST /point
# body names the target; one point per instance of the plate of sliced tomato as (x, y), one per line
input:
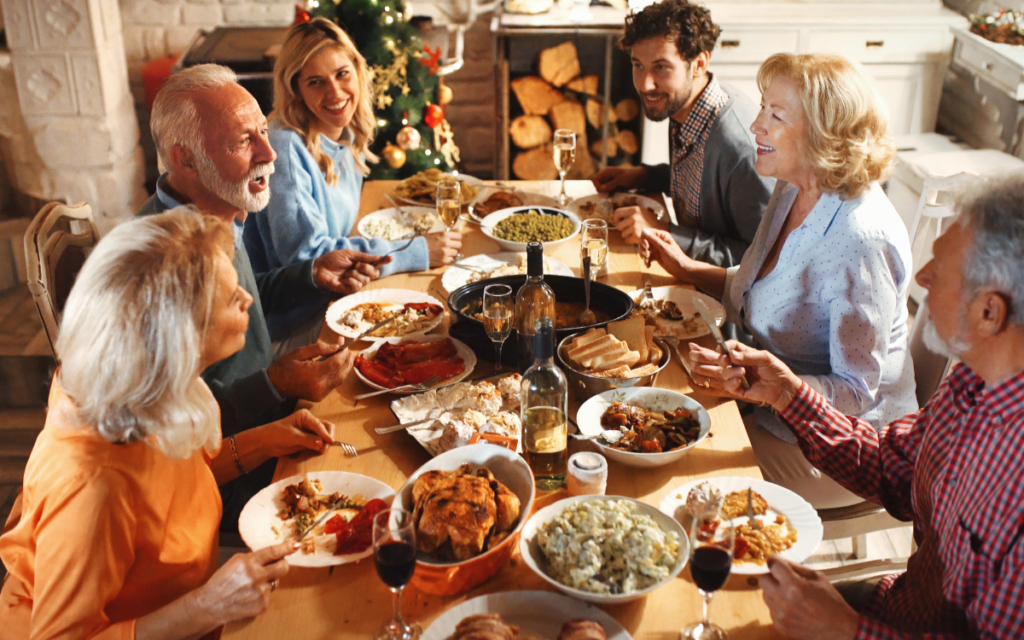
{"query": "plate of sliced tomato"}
(403, 361)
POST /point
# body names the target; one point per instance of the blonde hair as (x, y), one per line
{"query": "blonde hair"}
(304, 41)
(848, 124)
(132, 331)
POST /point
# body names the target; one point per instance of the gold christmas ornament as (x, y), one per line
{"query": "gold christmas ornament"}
(444, 94)
(394, 156)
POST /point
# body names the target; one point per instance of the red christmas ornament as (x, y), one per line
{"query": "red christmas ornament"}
(433, 115)
(301, 15)
(432, 59)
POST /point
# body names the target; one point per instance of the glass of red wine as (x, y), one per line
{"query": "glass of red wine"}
(394, 554)
(711, 547)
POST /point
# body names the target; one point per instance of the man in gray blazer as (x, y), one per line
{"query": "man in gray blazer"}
(717, 195)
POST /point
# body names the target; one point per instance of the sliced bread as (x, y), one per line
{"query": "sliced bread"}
(641, 371)
(597, 360)
(617, 372)
(588, 337)
(632, 332)
(610, 361)
(577, 354)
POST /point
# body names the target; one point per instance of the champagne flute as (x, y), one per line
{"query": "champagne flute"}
(449, 204)
(711, 548)
(394, 554)
(498, 303)
(594, 243)
(565, 156)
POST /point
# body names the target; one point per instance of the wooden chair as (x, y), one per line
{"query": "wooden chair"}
(56, 245)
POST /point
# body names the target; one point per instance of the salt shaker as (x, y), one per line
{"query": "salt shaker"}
(588, 474)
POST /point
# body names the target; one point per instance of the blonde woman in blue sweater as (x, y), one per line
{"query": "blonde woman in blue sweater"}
(321, 128)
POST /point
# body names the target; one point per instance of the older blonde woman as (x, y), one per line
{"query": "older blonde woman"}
(118, 532)
(824, 284)
(321, 128)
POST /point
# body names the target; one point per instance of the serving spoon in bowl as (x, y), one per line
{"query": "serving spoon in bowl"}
(587, 317)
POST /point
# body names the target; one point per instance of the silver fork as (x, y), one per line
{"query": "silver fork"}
(423, 386)
(347, 448)
(754, 522)
(402, 248)
(648, 293)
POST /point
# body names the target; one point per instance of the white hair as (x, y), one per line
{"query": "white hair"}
(131, 335)
(994, 212)
(175, 119)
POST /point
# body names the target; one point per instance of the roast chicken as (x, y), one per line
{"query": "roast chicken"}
(460, 514)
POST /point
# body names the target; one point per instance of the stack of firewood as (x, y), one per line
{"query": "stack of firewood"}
(546, 108)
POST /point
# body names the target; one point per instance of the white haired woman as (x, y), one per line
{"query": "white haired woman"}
(117, 537)
(824, 284)
(321, 129)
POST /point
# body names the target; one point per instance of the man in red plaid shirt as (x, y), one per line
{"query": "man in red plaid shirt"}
(955, 468)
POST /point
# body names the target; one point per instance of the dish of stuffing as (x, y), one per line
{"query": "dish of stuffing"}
(786, 523)
(520, 615)
(416, 313)
(463, 410)
(604, 549)
(286, 509)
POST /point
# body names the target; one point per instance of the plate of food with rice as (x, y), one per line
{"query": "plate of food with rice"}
(414, 313)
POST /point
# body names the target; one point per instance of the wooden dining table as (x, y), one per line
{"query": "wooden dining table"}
(350, 600)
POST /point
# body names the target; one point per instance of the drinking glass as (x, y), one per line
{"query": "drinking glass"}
(565, 155)
(711, 546)
(449, 204)
(594, 242)
(394, 554)
(498, 305)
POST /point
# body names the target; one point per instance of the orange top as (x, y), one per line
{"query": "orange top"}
(108, 533)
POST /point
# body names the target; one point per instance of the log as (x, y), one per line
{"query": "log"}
(586, 84)
(536, 96)
(594, 114)
(628, 142)
(529, 131)
(569, 115)
(627, 109)
(613, 147)
(535, 164)
(585, 166)
(560, 64)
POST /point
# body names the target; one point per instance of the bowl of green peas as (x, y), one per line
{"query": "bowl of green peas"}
(514, 227)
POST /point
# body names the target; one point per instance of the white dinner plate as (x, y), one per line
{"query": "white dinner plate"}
(398, 297)
(603, 206)
(385, 215)
(684, 300)
(455, 277)
(529, 199)
(477, 183)
(464, 352)
(260, 526)
(801, 515)
(539, 614)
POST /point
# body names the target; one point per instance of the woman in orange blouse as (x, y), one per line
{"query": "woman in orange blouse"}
(118, 532)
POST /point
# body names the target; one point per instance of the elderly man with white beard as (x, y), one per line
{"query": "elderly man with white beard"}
(955, 468)
(212, 139)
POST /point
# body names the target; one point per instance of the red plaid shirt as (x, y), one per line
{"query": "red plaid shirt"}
(956, 469)
(686, 144)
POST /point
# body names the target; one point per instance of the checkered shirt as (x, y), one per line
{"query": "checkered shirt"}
(686, 142)
(956, 469)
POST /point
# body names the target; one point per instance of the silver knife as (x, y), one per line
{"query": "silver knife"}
(316, 523)
(716, 333)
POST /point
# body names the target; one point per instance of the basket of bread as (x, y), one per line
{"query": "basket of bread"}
(625, 354)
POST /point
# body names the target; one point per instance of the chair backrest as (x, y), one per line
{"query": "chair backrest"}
(929, 368)
(929, 206)
(57, 243)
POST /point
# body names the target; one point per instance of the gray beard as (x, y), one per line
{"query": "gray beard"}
(934, 342)
(236, 194)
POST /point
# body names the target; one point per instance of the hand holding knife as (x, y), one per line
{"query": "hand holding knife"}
(716, 333)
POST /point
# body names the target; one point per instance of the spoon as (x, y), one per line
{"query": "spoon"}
(587, 318)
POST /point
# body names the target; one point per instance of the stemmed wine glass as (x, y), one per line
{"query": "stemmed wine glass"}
(594, 242)
(711, 548)
(394, 554)
(565, 155)
(498, 305)
(449, 204)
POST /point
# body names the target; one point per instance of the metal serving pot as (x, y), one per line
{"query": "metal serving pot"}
(603, 298)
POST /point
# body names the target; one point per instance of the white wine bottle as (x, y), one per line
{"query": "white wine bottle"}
(534, 302)
(544, 399)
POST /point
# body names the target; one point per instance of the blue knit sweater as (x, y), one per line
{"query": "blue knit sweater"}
(307, 218)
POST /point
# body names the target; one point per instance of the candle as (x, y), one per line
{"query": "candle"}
(588, 474)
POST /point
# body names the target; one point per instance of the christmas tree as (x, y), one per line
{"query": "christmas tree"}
(408, 95)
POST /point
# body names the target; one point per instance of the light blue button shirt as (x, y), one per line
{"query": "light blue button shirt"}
(834, 308)
(307, 217)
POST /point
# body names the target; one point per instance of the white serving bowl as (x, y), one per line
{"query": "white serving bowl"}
(653, 399)
(491, 221)
(530, 550)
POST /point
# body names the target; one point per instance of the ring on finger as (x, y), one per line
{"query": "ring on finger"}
(707, 383)
(273, 585)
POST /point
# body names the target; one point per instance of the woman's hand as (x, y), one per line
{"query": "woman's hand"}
(443, 247)
(771, 381)
(301, 431)
(657, 245)
(242, 587)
